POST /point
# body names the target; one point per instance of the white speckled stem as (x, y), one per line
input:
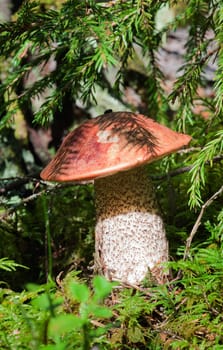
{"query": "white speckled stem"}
(130, 235)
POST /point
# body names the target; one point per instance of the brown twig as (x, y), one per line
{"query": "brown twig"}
(182, 170)
(26, 200)
(51, 187)
(172, 173)
(16, 182)
(198, 221)
(22, 202)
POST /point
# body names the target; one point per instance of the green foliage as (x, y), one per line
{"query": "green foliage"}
(50, 234)
(198, 174)
(36, 318)
(219, 84)
(9, 265)
(185, 313)
(50, 228)
(97, 37)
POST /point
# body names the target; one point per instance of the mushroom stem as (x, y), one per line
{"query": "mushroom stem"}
(130, 237)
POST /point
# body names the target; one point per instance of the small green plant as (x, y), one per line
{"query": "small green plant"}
(10, 265)
(44, 318)
(90, 309)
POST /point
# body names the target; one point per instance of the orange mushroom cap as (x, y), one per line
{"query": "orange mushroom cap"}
(110, 143)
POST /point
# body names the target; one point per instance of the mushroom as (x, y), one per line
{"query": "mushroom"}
(112, 150)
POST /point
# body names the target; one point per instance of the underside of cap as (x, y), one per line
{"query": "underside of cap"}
(110, 143)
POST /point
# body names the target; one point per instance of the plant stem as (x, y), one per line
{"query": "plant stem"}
(48, 249)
